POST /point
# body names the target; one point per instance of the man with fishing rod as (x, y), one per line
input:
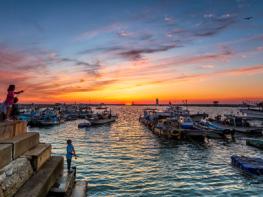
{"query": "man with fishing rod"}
(70, 152)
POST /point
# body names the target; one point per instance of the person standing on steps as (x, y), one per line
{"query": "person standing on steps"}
(15, 110)
(10, 99)
(70, 152)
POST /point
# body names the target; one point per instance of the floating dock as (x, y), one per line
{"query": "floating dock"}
(247, 164)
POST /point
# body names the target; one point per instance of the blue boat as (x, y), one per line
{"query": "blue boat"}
(248, 164)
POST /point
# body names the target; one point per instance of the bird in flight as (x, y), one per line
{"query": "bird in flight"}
(248, 18)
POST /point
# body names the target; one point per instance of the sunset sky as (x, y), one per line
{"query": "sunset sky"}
(137, 50)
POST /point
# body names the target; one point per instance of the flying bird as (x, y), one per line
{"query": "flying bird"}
(249, 18)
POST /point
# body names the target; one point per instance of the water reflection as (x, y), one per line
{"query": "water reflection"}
(124, 158)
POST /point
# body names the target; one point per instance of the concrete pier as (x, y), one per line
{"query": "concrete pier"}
(80, 189)
(27, 167)
(64, 186)
(22, 143)
(39, 184)
(5, 154)
(11, 129)
(39, 155)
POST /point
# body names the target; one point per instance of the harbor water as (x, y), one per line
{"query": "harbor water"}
(126, 159)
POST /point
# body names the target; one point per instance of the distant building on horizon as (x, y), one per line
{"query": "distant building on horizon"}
(215, 102)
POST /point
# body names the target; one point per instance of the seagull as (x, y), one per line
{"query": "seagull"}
(249, 18)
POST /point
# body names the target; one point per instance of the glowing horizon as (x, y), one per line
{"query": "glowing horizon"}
(132, 51)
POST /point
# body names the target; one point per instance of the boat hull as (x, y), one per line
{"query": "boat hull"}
(255, 142)
(103, 121)
(251, 113)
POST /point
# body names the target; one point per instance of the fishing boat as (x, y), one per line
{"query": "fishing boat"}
(179, 127)
(255, 142)
(253, 111)
(70, 116)
(186, 122)
(102, 121)
(213, 129)
(176, 111)
(197, 117)
(27, 115)
(50, 121)
(74, 112)
(238, 124)
(101, 116)
(85, 112)
(84, 124)
(47, 117)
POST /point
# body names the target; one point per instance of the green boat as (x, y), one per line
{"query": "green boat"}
(255, 142)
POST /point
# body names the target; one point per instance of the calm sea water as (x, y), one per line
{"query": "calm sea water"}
(126, 159)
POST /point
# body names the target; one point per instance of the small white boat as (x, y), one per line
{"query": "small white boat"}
(84, 124)
(103, 116)
(103, 121)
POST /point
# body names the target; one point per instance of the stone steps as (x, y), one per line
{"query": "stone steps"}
(64, 185)
(5, 154)
(14, 175)
(40, 183)
(12, 129)
(27, 167)
(38, 155)
(22, 143)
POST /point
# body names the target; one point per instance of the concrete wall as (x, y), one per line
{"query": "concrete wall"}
(5, 154)
(12, 129)
(14, 175)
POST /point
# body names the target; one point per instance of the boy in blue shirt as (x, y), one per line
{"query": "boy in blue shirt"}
(70, 152)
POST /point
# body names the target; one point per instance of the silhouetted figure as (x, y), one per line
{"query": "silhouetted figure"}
(15, 109)
(2, 115)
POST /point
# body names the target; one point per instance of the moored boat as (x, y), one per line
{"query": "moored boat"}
(248, 164)
(255, 142)
(102, 121)
(47, 117)
(102, 116)
(238, 124)
(213, 129)
(179, 127)
(84, 124)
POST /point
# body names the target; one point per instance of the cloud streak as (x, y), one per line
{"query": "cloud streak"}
(137, 54)
(247, 70)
